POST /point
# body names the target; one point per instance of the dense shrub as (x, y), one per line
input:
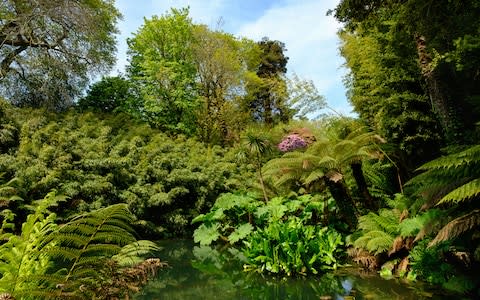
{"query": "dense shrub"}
(98, 160)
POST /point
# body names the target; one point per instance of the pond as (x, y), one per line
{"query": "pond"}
(206, 273)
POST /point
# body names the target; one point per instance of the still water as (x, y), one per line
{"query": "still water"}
(206, 273)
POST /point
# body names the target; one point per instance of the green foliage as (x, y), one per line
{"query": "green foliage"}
(385, 90)
(378, 231)
(240, 233)
(286, 225)
(70, 260)
(205, 235)
(266, 100)
(162, 66)
(228, 218)
(452, 180)
(50, 49)
(25, 258)
(437, 30)
(426, 263)
(97, 160)
(110, 94)
(325, 163)
(234, 216)
(291, 247)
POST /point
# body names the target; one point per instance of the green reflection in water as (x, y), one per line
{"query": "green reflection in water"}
(207, 273)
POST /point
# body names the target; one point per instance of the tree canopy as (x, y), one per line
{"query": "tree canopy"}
(48, 49)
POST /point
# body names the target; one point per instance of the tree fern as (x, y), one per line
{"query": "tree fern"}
(453, 180)
(375, 241)
(466, 191)
(457, 227)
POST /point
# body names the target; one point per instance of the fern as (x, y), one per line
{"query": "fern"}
(412, 226)
(23, 258)
(453, 180)
(450, 179)
(457, 227)
(135, 252)
(89, 239)
(375, 241)
(84, 247)
(378, 231)
(466, 191)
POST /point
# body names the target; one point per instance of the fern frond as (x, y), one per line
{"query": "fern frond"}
(466, 157)
(314, 176)
(467, 191)
(89, 239)
(134, 253)
(375, 241)
(457, 227)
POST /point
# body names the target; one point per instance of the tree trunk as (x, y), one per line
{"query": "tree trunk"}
(370, 202)
(260, 177)
(344, 201)
(441, 96)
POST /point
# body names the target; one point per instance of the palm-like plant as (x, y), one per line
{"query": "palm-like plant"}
(256, 145)
(357, 146)
(324, 164)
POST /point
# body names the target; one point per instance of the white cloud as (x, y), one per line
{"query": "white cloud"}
(311, 42)
(309, 35)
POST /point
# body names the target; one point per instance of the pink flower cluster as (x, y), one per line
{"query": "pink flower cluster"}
(292, 142)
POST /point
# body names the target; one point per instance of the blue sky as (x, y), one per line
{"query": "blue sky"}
(309, 35)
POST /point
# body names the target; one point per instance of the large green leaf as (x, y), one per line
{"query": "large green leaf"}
(205, 235)
(240, 233)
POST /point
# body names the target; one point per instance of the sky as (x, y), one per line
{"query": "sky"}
(309, 35)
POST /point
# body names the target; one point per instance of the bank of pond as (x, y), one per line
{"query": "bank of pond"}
(205, 272)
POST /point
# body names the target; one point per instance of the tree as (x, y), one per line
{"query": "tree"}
(191, 77)
(110, 94)
(267, 93)
(384, 87)
(48, 49)
(257, 145)
(221, 64)
(163, 68)
(303, 97)
(438, 31)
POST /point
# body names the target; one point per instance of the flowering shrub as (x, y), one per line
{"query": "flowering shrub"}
(292, 142)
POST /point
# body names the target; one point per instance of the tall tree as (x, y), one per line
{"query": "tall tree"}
(384, 87)
(162, 66)
(267, 95)
(48, 49)
(437, 28)
(221, 64)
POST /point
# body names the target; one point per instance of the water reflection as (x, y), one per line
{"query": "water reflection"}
(207, 273)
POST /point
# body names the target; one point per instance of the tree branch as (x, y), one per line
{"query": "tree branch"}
(5, 64)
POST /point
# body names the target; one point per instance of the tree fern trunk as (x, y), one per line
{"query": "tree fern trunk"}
(370, 202)
(344, 201)
(440, 95)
